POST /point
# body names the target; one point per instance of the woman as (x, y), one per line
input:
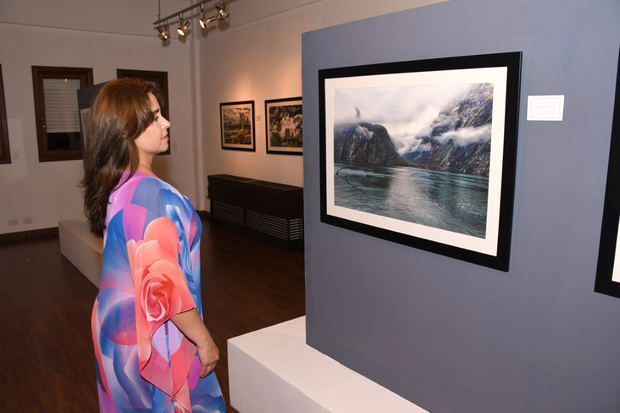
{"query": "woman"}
(153, 351)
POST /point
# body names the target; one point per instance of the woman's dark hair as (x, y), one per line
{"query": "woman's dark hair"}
(120, 113)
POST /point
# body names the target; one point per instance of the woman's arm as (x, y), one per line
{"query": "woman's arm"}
(190, 324)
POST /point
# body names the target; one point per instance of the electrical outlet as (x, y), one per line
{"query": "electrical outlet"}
(26, 220)
(13, 221)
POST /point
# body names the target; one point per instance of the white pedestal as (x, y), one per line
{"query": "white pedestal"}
(273, 370)
(82, 248)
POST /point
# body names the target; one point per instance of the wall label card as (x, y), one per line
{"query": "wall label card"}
(545, 108)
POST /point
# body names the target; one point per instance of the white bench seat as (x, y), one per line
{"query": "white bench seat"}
(83, 248)
(273, 370)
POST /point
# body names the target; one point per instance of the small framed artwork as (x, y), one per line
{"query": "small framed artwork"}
(608, 268)
(283, 126)
(423, 153)
(237, 125)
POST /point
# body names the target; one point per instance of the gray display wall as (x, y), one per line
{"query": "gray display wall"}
(452, 336)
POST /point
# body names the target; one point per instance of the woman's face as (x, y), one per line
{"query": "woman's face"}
(154, 139)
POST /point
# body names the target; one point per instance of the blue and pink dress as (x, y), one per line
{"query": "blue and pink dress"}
(151, 271)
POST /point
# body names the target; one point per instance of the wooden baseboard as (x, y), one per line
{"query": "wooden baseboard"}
(35, 233)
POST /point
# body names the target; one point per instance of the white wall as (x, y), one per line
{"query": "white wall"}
(48, 191)
(133, 17)
(258, 57)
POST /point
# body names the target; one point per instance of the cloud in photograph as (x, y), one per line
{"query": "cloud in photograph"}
(405, 111)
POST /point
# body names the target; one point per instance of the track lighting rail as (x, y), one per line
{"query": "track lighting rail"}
(183, 25)
(176, 14)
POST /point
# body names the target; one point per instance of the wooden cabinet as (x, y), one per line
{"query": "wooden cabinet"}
(267, 207)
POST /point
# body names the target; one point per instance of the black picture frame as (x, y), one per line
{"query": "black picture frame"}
(392, 189)
(608, 266)
(278, 112)
(237, 130)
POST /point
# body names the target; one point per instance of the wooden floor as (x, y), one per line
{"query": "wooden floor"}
(46, 356)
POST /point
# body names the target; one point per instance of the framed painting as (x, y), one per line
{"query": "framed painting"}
(283, 126)
(423, 153)
(608, 267)
(237, 125)
(159, 79)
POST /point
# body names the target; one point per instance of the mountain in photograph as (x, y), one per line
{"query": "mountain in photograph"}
(366, 144)
(459, 139)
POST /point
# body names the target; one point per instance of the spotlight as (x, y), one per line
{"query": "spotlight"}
(164, 33)
(205, 21)
(201, 20)
(222, 13)
(183, 26)
(161, 24)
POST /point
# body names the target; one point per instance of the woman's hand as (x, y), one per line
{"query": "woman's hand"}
(208, 354)
(190, 324)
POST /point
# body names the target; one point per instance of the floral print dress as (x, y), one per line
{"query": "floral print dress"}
(151, 271)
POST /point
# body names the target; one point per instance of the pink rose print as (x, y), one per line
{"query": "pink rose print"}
(158, 293)
(161, 292)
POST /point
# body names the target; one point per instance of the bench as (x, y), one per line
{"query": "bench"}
(83, 248)
(274, 370)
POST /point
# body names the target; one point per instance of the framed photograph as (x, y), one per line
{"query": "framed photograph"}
(283, 126)
(237, 125)
(159, 79)
(608, 268)
(423, 153)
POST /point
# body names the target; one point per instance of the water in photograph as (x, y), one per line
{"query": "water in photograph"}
(445, 200)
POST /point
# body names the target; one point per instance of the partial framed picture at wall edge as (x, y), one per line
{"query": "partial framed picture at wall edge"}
(608, 266)
(423, 153)
(237, 125)
(5, 152)
(283, 126)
